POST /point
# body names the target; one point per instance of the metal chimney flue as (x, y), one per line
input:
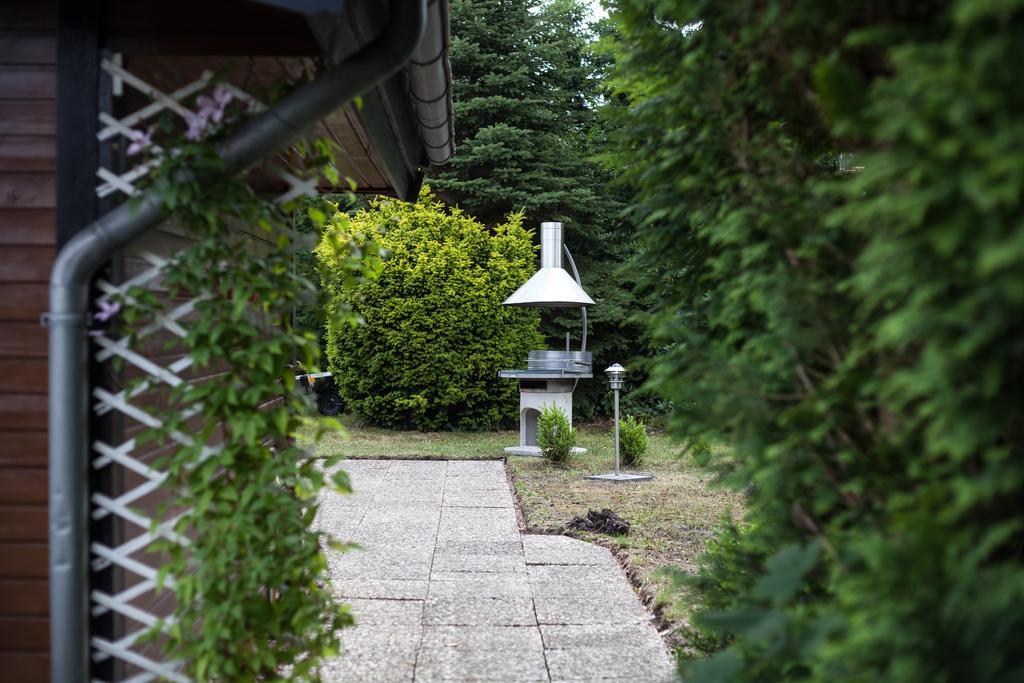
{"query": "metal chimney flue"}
(551, 285)
(551, 245)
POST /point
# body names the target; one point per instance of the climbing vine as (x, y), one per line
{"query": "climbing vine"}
(238, 544)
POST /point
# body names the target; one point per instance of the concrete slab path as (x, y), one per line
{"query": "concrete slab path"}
(446, 588)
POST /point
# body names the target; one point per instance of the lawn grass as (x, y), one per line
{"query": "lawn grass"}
(671, 517)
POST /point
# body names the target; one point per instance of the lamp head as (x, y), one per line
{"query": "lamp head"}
(616, 376)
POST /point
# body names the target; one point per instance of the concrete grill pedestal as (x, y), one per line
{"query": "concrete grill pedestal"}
(549, 380)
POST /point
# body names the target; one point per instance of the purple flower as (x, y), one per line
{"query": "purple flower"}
(140, 141)
(211, 107)
(108, 309)
(222, 96)
(196, 126)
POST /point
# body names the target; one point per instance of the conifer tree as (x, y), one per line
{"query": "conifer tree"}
(527, 95)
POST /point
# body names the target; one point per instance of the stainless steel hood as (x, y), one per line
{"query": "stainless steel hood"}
(551, 285)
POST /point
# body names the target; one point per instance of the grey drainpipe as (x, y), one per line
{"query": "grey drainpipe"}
(69, 305)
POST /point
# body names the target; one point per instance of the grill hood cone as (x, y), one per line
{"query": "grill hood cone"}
(550, 287)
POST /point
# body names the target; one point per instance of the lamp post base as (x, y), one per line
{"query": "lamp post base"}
(621, 477)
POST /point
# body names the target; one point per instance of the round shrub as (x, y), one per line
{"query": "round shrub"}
(632, 441)
(433, 333)
(555, 434)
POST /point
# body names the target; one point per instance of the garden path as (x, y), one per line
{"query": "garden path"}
(447, 588)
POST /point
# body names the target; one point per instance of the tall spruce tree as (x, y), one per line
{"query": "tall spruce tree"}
(527, 93)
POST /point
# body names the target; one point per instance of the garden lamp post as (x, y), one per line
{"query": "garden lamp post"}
(616, 378)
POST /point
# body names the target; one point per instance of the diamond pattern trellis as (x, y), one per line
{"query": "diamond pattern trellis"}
(133, 596)
(133, 490)
(113, 128)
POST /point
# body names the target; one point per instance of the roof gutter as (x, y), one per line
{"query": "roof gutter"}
(430, 87)
(70, 282)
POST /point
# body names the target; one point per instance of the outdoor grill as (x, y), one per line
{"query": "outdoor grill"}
(550, 377)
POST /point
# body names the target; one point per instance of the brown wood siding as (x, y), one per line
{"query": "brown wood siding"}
(27, 234)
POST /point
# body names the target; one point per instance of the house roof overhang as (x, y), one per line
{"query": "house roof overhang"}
(386, 140)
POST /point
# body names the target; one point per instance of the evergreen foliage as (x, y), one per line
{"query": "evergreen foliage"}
(852, 329)
(555, 434)
(433, 333)
(310, 313)
(527, 91)
(633, 441)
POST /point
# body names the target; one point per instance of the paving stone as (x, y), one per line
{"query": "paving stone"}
(479, 611)
(433, 466)
(372, 533)
(481, 653)
(479, 547)
(563, 636)
(591, 609)
(393, 613)
(481, 585)
(550, 549)
(417, 550)
(498, 577)
(432, 496)
(594, 663)
(386, 505)
(354, 465)
(342, 522)
(481, 664)
(501, 564)
(337, 507)
(399, 523)
(377, 655)
(469, 468)
(478, 523)
(481, 485)
(553, 580)
(478, 499)
(379, 568)
(479, 517)
(380, 588)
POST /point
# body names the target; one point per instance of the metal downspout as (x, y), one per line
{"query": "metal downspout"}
(69, 304)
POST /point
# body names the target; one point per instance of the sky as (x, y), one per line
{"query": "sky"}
(596, 11)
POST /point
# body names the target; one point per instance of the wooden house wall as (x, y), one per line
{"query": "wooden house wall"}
(27, 231)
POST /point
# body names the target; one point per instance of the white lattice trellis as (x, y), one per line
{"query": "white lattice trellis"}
(141, 480)
(112, 128)
(138, 577)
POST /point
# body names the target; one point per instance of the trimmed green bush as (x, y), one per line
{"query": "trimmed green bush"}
(433, 333)
(555, 434)
(830, 198)
(632, 441)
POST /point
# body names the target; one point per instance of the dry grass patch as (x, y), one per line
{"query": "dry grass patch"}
(671, 517)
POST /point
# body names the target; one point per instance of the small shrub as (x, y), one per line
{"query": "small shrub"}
(632, 441)
(555, 434)
(700, 450)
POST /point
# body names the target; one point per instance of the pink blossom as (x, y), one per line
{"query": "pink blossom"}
(140, 141)
(211, 107)
(196, 126)
(222, 96)
(108, 309)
